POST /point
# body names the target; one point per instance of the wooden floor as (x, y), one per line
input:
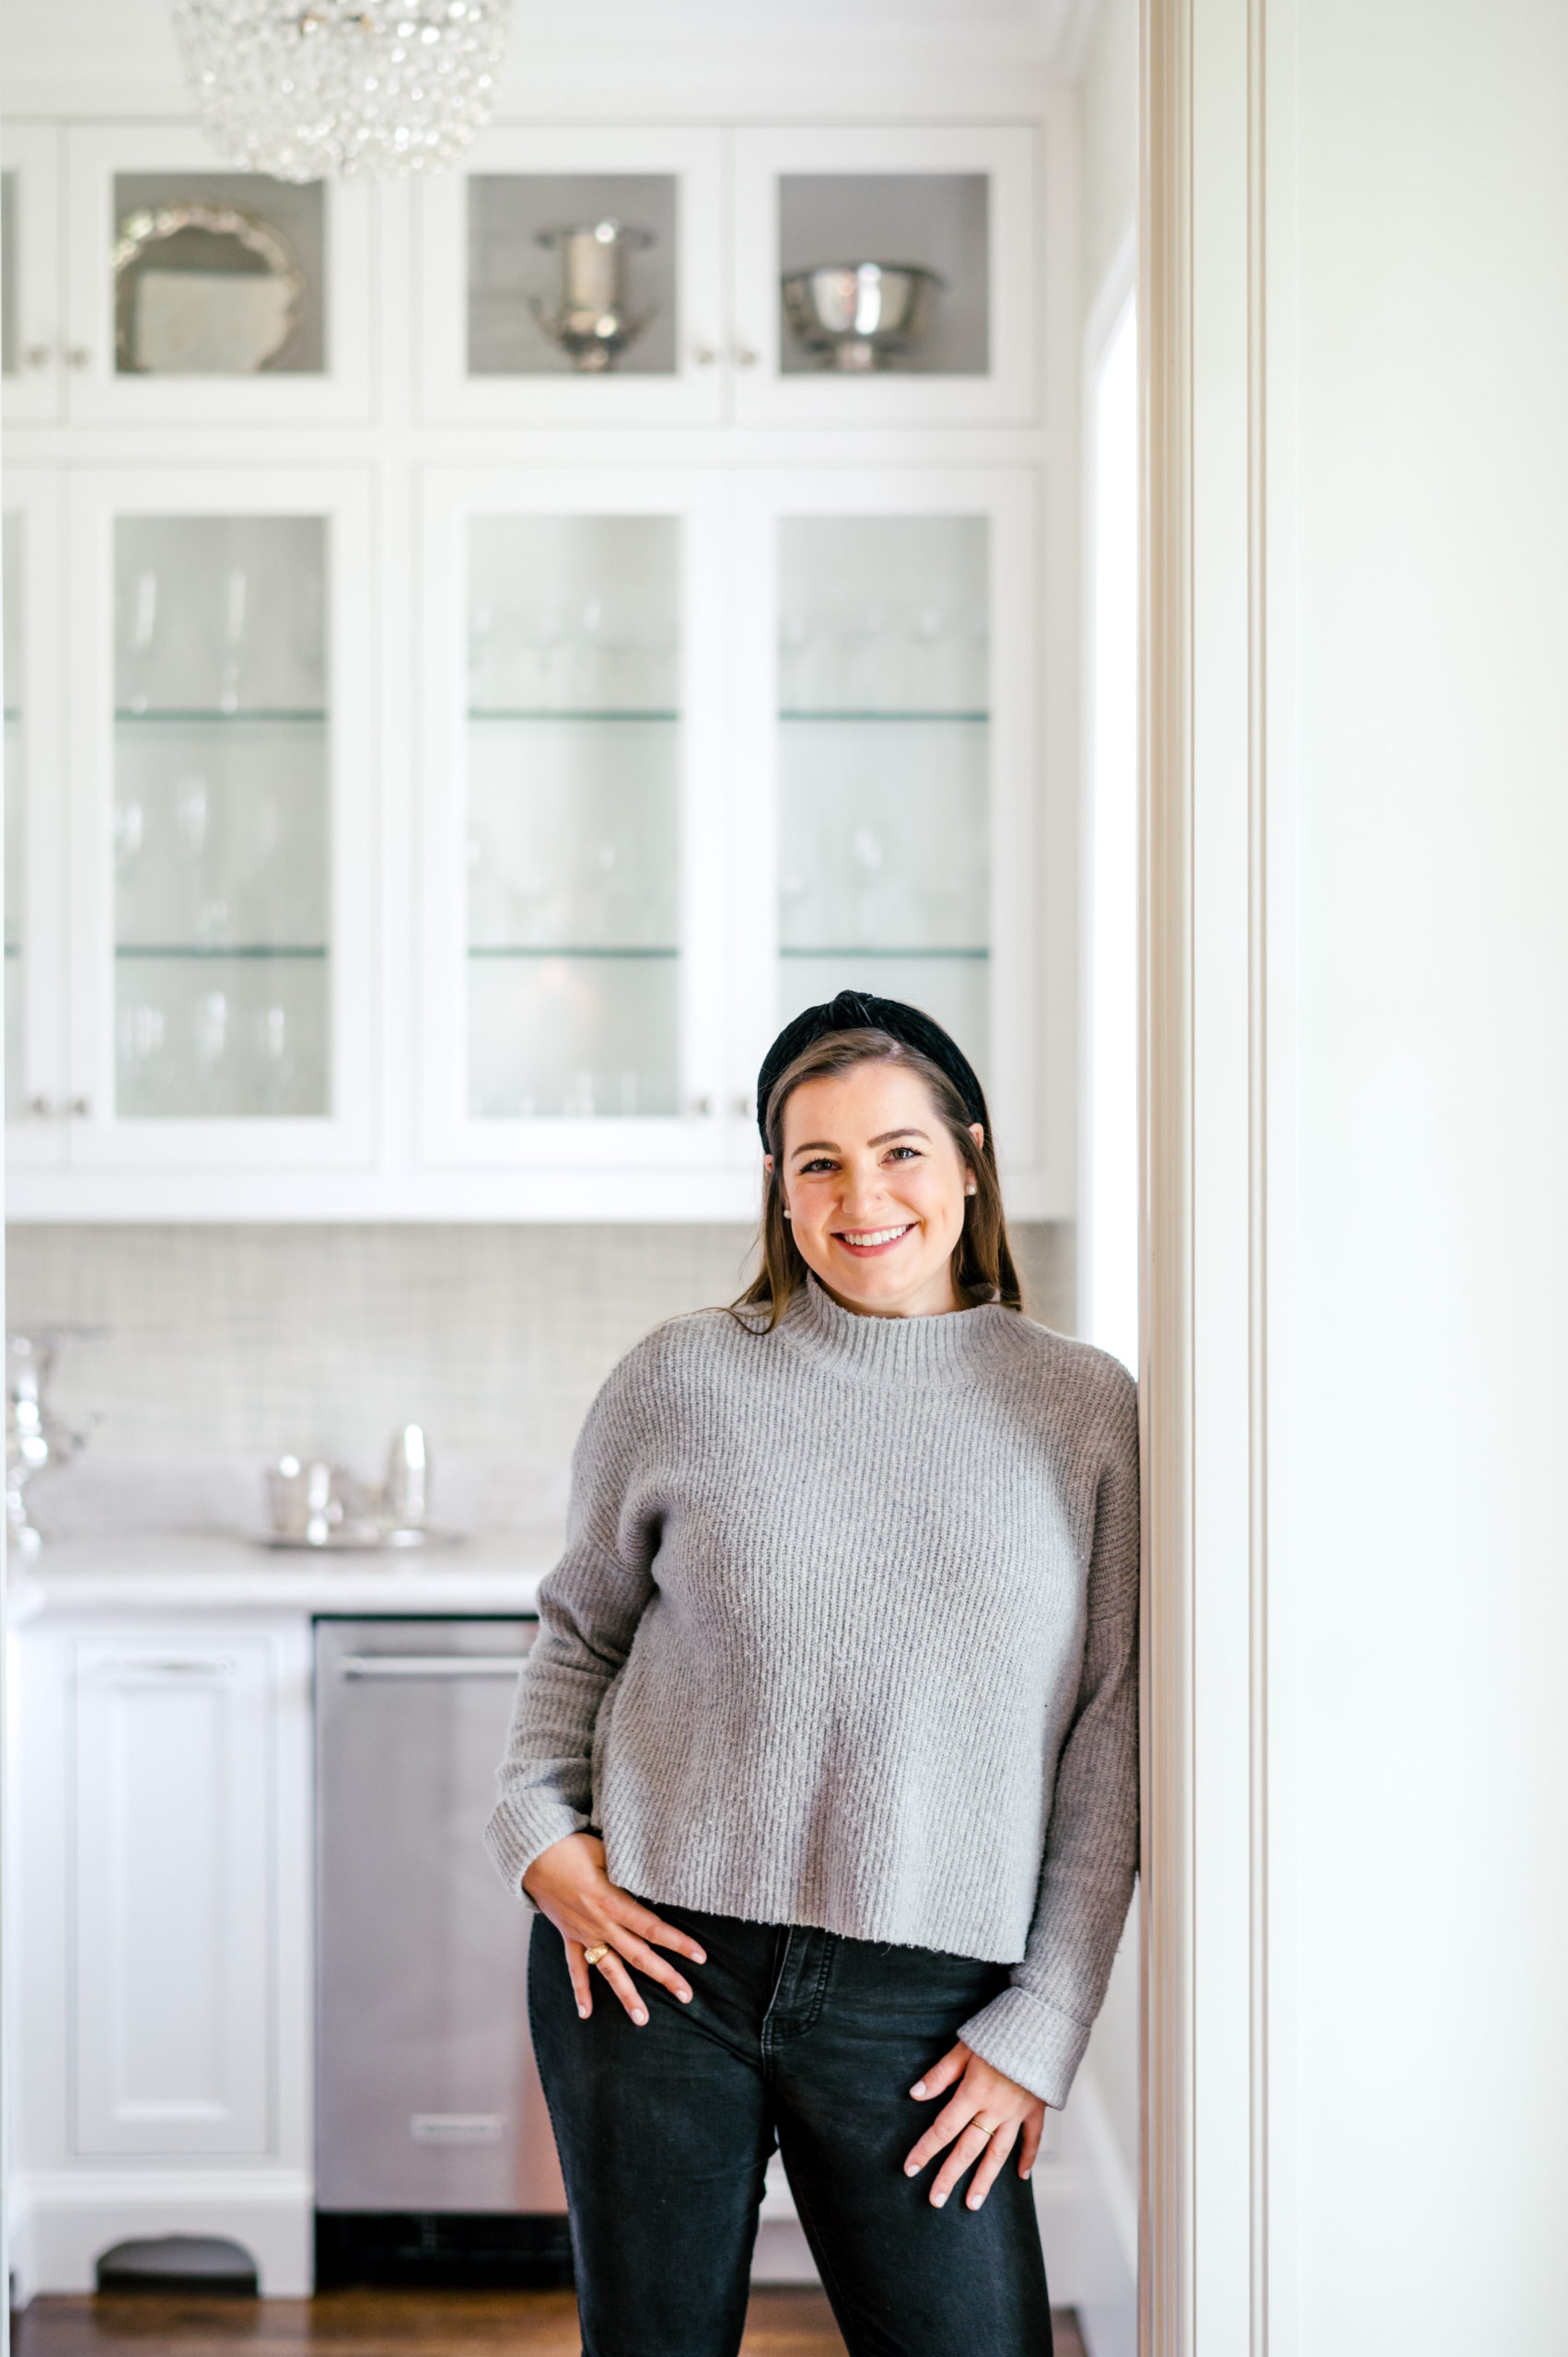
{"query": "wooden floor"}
(393, 2323)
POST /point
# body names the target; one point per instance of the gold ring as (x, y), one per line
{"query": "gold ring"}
(593, 1956)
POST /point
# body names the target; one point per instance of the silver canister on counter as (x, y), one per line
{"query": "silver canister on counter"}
(313, 1503)
(405, 1501)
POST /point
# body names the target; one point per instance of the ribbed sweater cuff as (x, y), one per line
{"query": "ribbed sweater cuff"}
(1030, 2040)
(520, 1830)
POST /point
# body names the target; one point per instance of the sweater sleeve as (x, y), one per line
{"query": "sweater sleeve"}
(1037, 2029)
(588, 1608)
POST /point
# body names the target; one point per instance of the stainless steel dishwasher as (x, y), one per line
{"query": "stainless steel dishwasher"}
(434, 2155)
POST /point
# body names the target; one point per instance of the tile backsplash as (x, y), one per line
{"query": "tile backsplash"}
(245, 1342)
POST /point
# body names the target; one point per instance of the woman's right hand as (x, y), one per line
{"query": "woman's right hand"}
(568, 1883)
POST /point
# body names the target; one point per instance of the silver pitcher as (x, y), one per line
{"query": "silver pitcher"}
(591, 322)
(36, 1440)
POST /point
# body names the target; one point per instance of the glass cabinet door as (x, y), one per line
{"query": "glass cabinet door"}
(896, 762)
(885, 276)
(31, 344)
(884, 765)
(227, 801)
(563, 879)
(574, 275)
(218, 296)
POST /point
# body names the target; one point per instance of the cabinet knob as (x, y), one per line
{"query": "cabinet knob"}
(37, 355)
(40, 1109)
(744, 1108)
(78, 356)
(80, 1109)
(704, 356)
(702, 1107)
(745, 357)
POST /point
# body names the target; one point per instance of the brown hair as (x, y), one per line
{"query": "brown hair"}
(983, 1259)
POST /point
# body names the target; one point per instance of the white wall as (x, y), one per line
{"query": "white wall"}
(221, 1341)
(1108, 115)
(1431, 1760)
(1356, 1285)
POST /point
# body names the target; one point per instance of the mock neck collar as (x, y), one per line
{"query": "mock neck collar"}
(906, 1347)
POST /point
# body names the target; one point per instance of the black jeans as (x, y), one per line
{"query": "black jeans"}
(811, 2041)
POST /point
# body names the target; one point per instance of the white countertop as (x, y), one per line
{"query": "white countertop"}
(192, 1571)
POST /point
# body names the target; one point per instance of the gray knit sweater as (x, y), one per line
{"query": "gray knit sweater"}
(845, 1634)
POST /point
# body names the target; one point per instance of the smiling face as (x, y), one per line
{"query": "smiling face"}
(875, 1189)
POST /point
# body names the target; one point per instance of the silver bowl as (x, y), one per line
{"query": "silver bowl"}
(858, 315)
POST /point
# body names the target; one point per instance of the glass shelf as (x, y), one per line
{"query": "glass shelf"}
(195, 716)
(853, 949)
(858, 718)
(217, 949)
(595, 712)
(513, 949)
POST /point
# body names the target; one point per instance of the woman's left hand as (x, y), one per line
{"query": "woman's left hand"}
(985, 2114)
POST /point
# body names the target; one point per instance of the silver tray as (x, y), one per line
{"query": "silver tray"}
(359, 1542)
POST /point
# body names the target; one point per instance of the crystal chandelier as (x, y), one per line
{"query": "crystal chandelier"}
(308, 88)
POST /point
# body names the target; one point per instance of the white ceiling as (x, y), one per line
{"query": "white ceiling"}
(778, 57)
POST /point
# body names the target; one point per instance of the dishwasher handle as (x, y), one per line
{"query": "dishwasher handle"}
(430, 1664)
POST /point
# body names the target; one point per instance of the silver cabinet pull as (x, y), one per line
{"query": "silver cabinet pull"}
(170, 1665)
(431, 1665)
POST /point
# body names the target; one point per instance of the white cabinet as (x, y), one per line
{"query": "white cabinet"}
(170, 1965)
(440, 824)
(702, 752)
(702, 327)
(159, 1965)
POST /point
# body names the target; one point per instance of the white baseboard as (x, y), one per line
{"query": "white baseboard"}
(62, 2221)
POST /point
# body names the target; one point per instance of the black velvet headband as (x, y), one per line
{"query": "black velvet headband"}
(858, 1011)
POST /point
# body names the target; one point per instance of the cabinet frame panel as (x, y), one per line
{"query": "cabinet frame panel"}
(235, 1672)
(338, 395)
(36, 496)
(33, 152)
(695, 394)
(101, 1138)
(1007, 392)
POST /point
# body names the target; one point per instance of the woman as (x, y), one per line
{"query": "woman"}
(825, 1761)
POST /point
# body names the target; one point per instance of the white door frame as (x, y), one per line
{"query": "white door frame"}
(1218, 1095)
